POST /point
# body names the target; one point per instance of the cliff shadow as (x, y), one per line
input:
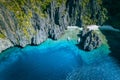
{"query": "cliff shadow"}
(113, 12)
(113, 39)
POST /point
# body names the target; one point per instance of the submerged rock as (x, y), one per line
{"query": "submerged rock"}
(89, 40)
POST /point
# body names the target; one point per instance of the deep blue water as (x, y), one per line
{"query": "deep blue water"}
(56, 60)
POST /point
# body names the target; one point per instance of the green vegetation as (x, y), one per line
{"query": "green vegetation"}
(23, 18)
(60, 2)
(2, 35)
(23, 10)
(102, 37)
(90, 16)
(86, 13)
(84, 3)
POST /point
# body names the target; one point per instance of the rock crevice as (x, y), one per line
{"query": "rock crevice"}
(89, 40)
(29, 22)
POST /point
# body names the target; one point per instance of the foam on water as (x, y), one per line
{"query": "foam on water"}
(52, 60)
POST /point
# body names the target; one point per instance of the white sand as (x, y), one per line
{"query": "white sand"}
(74, 27)
(95, 27)
(90, 27)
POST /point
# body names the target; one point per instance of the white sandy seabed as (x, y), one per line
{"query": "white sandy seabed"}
(95, 27)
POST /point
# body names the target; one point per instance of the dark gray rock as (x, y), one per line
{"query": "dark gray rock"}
(89, 40)
(70, 13)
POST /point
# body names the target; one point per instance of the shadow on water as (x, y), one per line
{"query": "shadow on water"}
(114, 42)
(113, 8)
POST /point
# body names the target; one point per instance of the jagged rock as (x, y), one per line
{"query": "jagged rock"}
(5, 44)
(34, 28)
(89, 40)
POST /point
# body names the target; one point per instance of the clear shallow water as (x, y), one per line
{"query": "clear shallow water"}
(52, 60)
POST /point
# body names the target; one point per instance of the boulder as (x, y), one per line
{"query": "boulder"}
(89, 40)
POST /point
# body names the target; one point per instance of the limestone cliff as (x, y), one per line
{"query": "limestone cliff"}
(25, 22)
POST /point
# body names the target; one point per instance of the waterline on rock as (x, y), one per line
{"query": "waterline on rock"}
(52, 60)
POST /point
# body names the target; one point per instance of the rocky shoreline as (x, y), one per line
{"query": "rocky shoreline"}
(27, 23)
(86, 39)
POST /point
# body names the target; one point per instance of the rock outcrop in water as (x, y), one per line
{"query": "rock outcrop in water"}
(32, 22)
(89, 40)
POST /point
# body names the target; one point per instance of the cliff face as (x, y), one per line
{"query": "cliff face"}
(25, 22)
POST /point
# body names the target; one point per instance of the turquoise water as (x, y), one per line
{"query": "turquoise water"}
(52, 60)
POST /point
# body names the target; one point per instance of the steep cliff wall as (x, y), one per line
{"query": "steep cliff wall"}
(25, 22)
